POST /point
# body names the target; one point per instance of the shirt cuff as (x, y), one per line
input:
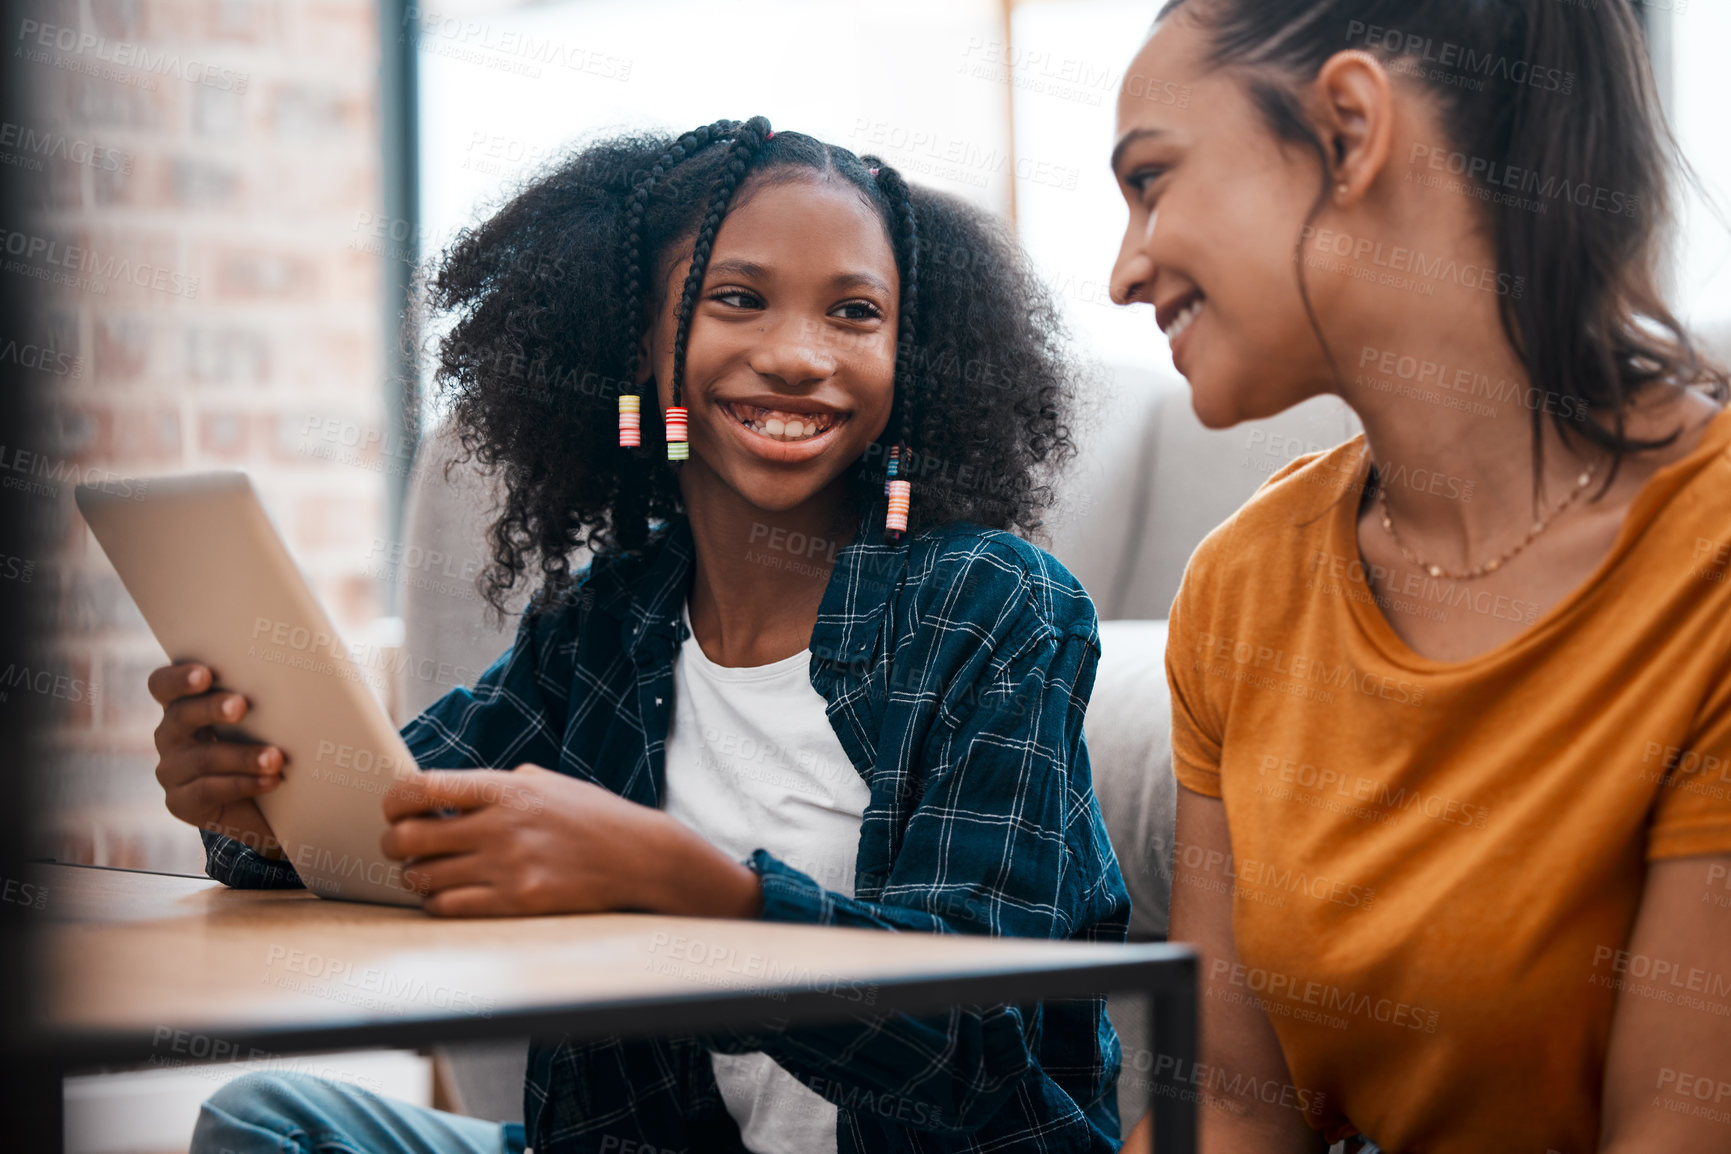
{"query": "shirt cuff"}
(1197, 779)
(240, 867)
(788, 894)
(1704, 838)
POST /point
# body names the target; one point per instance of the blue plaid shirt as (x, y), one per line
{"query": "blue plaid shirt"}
(956, 668)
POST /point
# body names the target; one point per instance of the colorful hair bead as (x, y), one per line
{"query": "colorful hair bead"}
(896, 522)
(890, 474)
(678, 444)
(630, 420)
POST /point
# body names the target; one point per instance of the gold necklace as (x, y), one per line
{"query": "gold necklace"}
(1491, 566)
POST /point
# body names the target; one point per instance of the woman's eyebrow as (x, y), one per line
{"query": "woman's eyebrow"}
(1130, 138)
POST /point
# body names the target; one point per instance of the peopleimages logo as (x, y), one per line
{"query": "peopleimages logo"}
(318, 974)
(160, 62)
(1395, 799)
(1300, 667)
(1275, 988)
(1270, 876)
(43, 257)
(1466, 61)
(1581, 194)
(1326, 566)
(42, 475)
(43, 360)
(1674, 974)
(1415, 262)
(1421, 371)
(507, 49)
(29, 144)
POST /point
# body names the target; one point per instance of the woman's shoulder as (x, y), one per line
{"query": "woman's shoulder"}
(1682, 509)
(964, 570)
(1286, 515)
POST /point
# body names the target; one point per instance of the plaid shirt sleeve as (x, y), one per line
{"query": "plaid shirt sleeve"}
(1005, 839)
(241, 867)
(511, 716)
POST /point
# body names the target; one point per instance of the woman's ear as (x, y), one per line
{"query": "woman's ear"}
(1356, 112)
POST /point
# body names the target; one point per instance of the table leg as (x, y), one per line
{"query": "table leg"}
(1173, 1037)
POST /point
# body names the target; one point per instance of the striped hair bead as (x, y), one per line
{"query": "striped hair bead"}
(678, 443)
(630, 420)
(894, 467)
(896, 522)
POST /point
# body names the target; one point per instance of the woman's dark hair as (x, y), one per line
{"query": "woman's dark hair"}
(1561, 93)
(552, 295)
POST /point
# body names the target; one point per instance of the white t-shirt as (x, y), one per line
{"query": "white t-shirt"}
(753, 763)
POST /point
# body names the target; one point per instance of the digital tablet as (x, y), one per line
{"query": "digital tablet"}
(217, 585)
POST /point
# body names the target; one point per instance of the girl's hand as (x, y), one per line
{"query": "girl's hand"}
(208, 782)
(532, 841)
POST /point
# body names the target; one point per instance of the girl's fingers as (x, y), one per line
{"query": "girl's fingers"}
(436, 789)
(172, 682)
(219, 759)
(418, 837)
(204, 795)
(465, 902)
(435, 875)
(183, 717)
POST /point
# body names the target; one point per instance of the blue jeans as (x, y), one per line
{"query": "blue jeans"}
(292, 1113)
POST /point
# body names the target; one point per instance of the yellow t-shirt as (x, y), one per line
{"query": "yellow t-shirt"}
(1436, 865)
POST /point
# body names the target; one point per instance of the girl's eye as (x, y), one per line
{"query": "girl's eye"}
(859, 311)
(737, 298)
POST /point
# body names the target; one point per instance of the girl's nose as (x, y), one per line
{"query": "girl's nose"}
(794, 353)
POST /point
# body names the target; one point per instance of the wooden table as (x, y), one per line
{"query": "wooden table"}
(141, 965)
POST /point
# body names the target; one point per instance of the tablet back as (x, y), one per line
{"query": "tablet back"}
(216, 583)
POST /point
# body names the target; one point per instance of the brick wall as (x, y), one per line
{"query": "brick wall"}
(209, 296)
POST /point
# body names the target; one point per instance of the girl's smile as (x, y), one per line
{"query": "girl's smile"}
(784, 433)
(790, 363)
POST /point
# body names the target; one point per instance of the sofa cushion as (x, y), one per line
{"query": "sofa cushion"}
(1128, 727)
(445, 622)
(1150, 482)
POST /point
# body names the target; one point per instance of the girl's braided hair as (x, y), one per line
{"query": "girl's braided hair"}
(550, 299)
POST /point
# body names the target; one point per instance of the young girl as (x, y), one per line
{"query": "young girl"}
(785, 688)
(1451, 702)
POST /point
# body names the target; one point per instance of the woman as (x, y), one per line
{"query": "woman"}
(1451, 702)
(691, 354)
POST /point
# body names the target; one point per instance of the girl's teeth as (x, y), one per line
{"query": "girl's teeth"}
(783, 428)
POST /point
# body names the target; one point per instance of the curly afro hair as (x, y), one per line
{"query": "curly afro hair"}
(550, 297)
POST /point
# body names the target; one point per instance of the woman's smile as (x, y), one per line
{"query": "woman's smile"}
(1176, 318)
